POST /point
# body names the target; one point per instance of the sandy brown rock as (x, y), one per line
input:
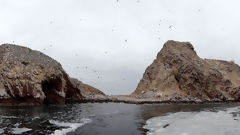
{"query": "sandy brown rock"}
(179, 74)
(88, 92)
(29, 77)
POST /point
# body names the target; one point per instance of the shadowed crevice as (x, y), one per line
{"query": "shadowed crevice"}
(50, 87)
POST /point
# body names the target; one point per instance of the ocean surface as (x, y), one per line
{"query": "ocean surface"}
(121, 119)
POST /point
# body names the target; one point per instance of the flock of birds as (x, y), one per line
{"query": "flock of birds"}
(106, 52)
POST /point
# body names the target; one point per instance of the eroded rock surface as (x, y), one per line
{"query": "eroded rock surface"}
(179, 74)
(29, 77)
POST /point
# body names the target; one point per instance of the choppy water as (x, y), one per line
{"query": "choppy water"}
(121, 119)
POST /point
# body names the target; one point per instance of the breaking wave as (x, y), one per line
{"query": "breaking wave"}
(68, 127)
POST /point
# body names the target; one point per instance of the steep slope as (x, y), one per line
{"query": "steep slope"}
(179, 74)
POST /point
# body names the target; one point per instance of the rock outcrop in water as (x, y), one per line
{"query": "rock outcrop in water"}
(179, 74)
(29, 77)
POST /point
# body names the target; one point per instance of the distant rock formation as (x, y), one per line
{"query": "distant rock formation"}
(29, 77)
(179, 74)
(89, 92)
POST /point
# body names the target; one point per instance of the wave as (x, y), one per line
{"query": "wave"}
(69, 127)
(221, 122)
(19, 131)
(8, 117)
(2, 130)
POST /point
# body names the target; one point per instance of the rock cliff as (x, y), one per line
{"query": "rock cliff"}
(179, 74)
(29, 77)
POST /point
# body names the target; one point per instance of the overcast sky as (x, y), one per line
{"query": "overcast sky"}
(108, 43)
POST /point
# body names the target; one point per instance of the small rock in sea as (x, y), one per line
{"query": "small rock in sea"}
(166, 125)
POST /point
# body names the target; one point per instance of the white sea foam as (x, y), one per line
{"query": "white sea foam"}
(196, 123)
(70, 127)
(19, 131)
(34, 118)
(2, 130)
(8, 117)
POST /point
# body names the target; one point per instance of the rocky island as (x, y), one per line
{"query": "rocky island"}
(29, 77)
(178, 74)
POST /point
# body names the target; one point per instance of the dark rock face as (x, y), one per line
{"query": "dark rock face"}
(29, 77)
(179, 74)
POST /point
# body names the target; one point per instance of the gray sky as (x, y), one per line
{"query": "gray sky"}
(109, 44)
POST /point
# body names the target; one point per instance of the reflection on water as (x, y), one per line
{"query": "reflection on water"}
(110, 118)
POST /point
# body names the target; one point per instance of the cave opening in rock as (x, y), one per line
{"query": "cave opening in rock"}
(50, 88)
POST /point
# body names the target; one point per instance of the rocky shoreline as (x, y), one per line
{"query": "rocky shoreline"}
(177, 75)
(152, 101)
(116, 100)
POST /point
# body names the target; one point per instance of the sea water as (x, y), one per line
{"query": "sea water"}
(121, 119)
